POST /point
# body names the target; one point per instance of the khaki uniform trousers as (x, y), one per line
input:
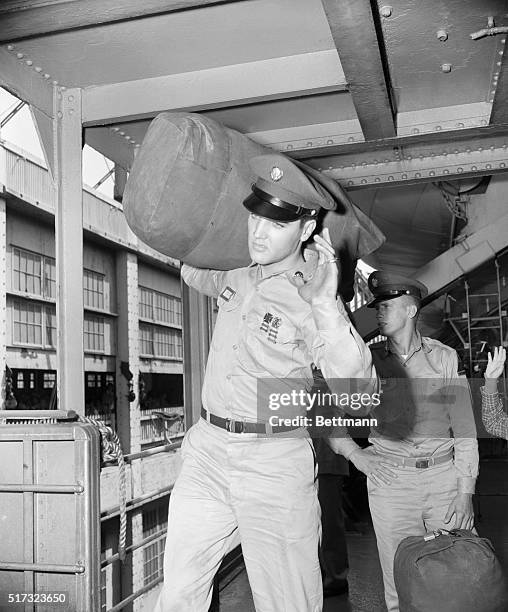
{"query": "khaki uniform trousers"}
(414, 503)
(266, 489)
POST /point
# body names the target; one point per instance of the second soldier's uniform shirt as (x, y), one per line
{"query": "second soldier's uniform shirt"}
(425, 407)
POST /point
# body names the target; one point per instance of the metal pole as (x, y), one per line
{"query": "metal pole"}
(500, 311)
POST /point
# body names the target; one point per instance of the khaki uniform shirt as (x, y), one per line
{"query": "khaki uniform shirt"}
(425, 407)
(265, 330)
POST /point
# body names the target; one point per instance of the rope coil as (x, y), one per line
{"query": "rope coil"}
(111, 452)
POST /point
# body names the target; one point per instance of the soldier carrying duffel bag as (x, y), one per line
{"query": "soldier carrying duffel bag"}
(449, 571)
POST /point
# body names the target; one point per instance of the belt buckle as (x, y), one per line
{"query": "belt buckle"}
(422, 463)
(234, 426)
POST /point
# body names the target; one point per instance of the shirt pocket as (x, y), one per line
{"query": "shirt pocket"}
(270, 344)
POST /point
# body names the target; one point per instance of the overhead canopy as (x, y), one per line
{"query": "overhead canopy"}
(371, 93)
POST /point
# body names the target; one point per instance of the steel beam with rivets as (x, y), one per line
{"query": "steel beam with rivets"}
(69, 250)
(418, 163)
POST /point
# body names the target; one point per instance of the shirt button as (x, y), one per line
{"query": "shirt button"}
(235, 347)
(228, 377)
(244, 317)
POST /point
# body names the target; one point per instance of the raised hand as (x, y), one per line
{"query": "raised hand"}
(323, 285)
(495, 363)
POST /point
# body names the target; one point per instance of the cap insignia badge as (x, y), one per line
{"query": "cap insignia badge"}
(276, 173)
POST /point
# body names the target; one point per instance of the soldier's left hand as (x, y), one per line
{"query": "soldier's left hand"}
(324, 283)
(462, 508)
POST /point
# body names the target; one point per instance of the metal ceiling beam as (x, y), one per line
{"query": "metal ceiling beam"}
(432, 124)
(416, 163)
(23, 81)
(354, 34)
(112, 145)
(237, 84)
(499, 113)
(20, 19)
(447, 268)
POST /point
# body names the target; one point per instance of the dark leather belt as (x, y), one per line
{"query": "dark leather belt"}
(238, 427)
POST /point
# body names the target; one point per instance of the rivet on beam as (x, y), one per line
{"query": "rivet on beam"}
(29, 62)
(38, 69)
(460, 125)
(404, 176)
(329, 141)
(10, 47)
(459, 169)
(446, 171)
(488, 166)
(20, 55)
(432, 173)
(377, 179)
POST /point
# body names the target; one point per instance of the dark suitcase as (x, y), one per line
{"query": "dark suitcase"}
(49, 515)
(454, 571)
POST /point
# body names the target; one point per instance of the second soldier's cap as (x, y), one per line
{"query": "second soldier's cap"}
(282, 192)
(387, 286)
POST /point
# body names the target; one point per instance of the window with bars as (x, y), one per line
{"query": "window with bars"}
(160, 307)
(155, 519)
(33, 273)
(93, 289)
(156, 341)
(93, 333)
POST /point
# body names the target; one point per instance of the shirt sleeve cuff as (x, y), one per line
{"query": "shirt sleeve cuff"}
(344, 446)
(466, 484)
(327, 316)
